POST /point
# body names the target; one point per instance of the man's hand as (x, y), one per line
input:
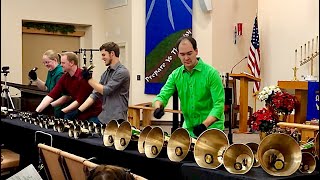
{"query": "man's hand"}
(34, 114)
(33, 75)
(73, 114)
(61, 114)
(197, 130)
(158, 113)
(86, 74)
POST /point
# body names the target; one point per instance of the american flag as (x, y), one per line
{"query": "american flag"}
(254, 55)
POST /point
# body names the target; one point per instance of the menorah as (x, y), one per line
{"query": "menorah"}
(309, 56)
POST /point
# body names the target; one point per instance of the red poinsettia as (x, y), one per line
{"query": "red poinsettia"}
(263, 120)
(283, 102)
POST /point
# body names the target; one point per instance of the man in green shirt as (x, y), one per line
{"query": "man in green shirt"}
(200, 91)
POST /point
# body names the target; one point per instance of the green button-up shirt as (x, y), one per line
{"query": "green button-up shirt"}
(52, 79)
(201, 94)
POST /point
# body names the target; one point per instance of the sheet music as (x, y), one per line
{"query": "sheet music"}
(27, 173)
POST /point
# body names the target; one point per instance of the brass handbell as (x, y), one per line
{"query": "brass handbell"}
(238, 159)
(279, 154)
(308, 163)
(124, 135)
(110, 133)
(155, 141)
(179, 145)
(142, 138)
(80, 132)
(209, 148)
(254, 147)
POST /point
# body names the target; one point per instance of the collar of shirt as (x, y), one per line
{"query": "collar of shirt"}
(77, 74)
(114, 67)
(198, 67)
(53, 72)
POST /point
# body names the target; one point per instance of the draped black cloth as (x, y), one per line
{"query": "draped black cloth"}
(20, 137)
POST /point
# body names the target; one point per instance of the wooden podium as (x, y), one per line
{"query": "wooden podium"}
(244, 80)
(301, 92)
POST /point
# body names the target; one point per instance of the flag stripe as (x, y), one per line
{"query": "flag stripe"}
(254, 55)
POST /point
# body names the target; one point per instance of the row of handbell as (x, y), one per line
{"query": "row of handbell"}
(76, 129)
(278, 154)
(212, 149)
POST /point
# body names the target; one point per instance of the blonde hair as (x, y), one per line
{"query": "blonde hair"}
(53, 55)
(71, 56)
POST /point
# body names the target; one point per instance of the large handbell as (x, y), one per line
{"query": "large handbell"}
(155, 141)
(142, 138)
(209, 148)
(308, 163)
(124, 135)
(180, 145)
(238, 159)
(110, 133)
(279, 154)
(254, 147)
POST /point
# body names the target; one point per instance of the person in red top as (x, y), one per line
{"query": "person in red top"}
(72, 84)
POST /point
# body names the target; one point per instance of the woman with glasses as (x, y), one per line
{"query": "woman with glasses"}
(51, 60)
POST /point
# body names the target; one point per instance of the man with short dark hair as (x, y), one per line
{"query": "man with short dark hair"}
(200, 91)
(113, 87)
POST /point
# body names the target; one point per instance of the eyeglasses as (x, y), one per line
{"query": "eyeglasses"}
(46, 62)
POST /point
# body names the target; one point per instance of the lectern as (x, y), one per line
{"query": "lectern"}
(244, 80)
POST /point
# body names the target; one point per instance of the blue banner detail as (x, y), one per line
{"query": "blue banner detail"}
(166, 22)
(313, 101)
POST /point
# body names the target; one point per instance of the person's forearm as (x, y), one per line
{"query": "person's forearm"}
(71, 107)
(209, 121)
(44, 103)
(62, 100)
(86, 104)
(157, 104)
(41, 85)
(96, 86)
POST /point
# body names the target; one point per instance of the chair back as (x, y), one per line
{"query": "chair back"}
(51, 159)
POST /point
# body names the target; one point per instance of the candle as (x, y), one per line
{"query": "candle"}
(295, 59)
(308, 48)
(301, 54)
(312, 47)
(317, 44)
(305, 50)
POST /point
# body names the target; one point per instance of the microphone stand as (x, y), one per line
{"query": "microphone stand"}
(238, 63)
(229, 103)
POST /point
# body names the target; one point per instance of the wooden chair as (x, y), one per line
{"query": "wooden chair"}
(52, 162)
(75, 166)
(9, 161)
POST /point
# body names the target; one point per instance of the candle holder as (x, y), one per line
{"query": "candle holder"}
(295, 69)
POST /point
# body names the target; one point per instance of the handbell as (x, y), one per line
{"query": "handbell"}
(155, 141)
(238, 159)
(124, 135)
(254, 147)
(209, 148)
(180, 145)
(80, 132)
(142, 138)
(279, 154)
(308, 163)
(110, 133)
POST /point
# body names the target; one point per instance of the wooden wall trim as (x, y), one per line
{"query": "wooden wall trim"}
(42, 31)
